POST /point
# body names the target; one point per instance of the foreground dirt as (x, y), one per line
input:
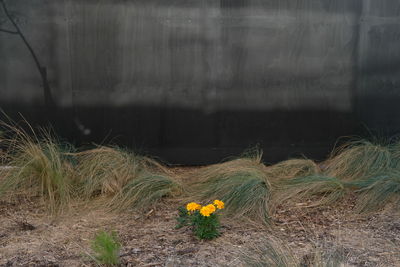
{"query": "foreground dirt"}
(28, 237)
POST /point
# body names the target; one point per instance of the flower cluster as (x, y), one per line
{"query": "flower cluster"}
(219, 204)
(203, 219)
(205, 210)
(192, 206)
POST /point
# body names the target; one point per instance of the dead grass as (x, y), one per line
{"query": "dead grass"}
(274, 252)
(37, 168)
(130, 181)
(41, 166)
(105, 171)
(378, 191)
(145, 191)
(395, 149)
(366, 168)
(241, 183)
(359, 159)
(290, 169)
(58, 174)
(323, 189)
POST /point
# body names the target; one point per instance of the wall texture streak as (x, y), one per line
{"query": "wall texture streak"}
(194, 81)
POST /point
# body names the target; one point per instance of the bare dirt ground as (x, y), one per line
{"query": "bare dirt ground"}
(28, 237)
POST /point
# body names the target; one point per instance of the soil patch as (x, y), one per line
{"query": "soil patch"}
(29, 237)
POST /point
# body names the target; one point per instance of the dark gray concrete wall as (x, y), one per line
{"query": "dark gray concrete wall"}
(192, 77)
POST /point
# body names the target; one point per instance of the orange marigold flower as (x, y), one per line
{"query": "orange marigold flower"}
(219, 204)
(205, 211)
(193, 206)
(211, 207)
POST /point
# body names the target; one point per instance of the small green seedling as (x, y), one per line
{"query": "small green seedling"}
(106, 248)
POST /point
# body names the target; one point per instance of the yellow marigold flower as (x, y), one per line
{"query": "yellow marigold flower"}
(207, 210)
(193, 206)
(211, 207)
(219, 204)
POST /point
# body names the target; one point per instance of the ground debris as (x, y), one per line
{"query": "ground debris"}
(154, 241)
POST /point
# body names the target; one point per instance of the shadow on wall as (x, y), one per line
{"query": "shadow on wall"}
(186, 136)
(11, 22)
(196, 81)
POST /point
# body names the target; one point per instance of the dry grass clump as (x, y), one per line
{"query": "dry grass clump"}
(323, 189)
(292, 168)
(145, 191)
(291, 180)
(346, 170)
(37, 168)
(132, 181)
(368, 169)
(241, 183)
(377, 191)
(269, 253)
(358, 159)
(395, 149)
(273, 252)
(40, 166)
(105, 171)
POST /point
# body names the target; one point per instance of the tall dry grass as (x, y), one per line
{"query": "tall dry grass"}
(377, 191)
(241, 183)
(323, 190)
(292, 168)
(36, 167)
(273, 252)
(42, 166)
(105, 171)
(145, 191)
(366, 168)
(359, 159)
(127, 179)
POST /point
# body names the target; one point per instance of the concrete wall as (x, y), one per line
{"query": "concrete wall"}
(196, 80)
